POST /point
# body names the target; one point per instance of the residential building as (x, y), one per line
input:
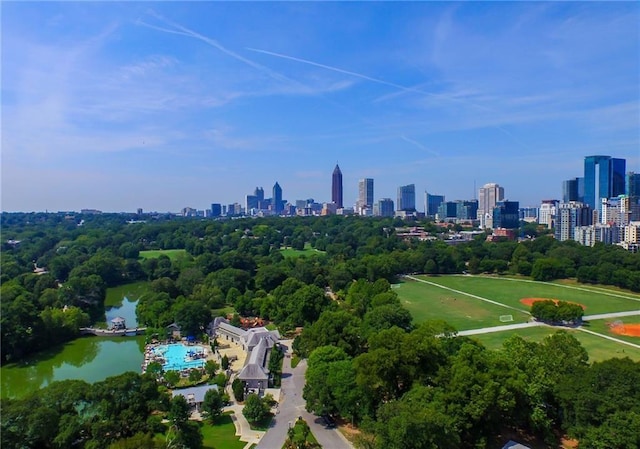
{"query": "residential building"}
(336, 187)
(194, 395)
(547, 213)
(488, 197)
(407, 198)
(432, 203)
(570, 216)
(616, 210)
(604, 177)
(605, 233)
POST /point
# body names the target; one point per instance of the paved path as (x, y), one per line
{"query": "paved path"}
(292, 405)
(507, 327)
(604, 316)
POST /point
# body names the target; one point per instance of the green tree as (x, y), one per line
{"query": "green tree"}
(179, 411)
(255, 409)
(212, 405)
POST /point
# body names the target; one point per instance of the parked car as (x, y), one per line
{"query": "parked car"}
(329, 422)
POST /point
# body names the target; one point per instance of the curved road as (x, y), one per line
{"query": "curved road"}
(292, 406)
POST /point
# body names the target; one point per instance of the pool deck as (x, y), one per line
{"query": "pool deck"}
(231, 350)
(150, 356)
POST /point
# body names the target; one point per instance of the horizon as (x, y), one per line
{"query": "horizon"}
(161, 106)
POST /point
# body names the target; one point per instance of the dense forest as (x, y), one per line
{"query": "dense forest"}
(442, 392)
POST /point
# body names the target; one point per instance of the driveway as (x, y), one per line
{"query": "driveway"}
(292, 406)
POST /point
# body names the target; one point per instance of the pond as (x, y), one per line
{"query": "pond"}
(88, 358)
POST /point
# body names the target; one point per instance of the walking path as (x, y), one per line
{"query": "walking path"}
(617, 340)
(604, 316)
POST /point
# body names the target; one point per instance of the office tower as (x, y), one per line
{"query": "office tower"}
(447, 210)
(467, 209)
(251, 203)
(407, 198)
(488, 197)
(604, 177)
(506, 214)
(139, 211)
(216, 209)
(336, 187)
(365, 193)
(573, 190)
(259, 193)
(632, 189)
(547, 213)
(385, 207)
(529, 214)
(569, 216)
(277, 198)
(431, 204)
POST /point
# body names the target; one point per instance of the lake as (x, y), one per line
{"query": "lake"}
(88, 358)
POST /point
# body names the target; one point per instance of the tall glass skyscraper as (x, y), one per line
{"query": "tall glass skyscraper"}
(336, 187)
(365, 193)
(277, 198)
(407, 198)
(432, 203)
(603, 178)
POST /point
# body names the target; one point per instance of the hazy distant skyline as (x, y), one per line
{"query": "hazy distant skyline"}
(163, 105)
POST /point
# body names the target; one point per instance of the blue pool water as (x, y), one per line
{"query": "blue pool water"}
(178, 356)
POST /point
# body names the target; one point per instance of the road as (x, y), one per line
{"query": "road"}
(292, 406)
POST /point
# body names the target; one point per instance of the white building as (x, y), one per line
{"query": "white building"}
(488, 197)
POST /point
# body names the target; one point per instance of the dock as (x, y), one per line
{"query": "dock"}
(112, 333)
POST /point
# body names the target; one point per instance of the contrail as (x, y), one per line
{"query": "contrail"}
(368, 78)
(419, 145)
(181, 30)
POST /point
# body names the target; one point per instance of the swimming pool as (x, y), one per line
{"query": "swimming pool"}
(179, 357)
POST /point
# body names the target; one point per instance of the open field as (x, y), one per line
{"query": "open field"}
(170, 253)
(132, 291)
(307, 251)
(427, 302)
(510, 291)
(598, 348)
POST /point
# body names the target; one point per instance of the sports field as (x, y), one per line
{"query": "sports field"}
(475, 302)
(155, 253)
(598, 348)
(307, 251)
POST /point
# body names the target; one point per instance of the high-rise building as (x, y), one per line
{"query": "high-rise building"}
(569, 216)
(216, 209)
(336, 187)
(467, 210)
(385, 207)
(431, 204)
(259, 193)
(632, 189)
(407, 198)
(447, 210)
(365, 194)
(488, 197)
(604, 177)
(278, 206)
(547, 213)
(573, 190)
(506, 214)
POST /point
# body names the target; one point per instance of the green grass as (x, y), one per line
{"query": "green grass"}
(598, 348)
(221, 435)
(133, 290)
(271, 327)
(307, 251)
(511, 291)
(427, 302)
(172, 254)
(294, 361)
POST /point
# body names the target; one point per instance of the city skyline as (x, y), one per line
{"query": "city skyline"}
(164, 105)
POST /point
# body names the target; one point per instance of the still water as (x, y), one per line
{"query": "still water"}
(88, 358)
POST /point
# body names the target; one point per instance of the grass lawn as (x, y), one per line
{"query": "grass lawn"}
(598, 348)
(307, 251)
(132, 291)
(297, 429)
(170, 253)
(509, 291)
(427, 302)
(294, 361)
(221, 435)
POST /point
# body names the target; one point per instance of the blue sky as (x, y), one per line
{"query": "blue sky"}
(116, 106)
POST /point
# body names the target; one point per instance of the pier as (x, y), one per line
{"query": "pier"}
(112, 332)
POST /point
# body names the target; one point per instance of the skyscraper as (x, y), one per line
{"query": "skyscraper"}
(603, 178)
(506, 214)
(407, 198)
(572, 190)
(385, 207)
(336, 187)
(365, 193)
(488, 197)
(569, 216)
(431, 204)
(277, 198)
(632, 188)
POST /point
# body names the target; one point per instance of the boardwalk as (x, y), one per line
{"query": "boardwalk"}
(112, 333)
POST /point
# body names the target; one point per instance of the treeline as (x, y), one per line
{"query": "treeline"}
(424, 387)
(238, 263)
